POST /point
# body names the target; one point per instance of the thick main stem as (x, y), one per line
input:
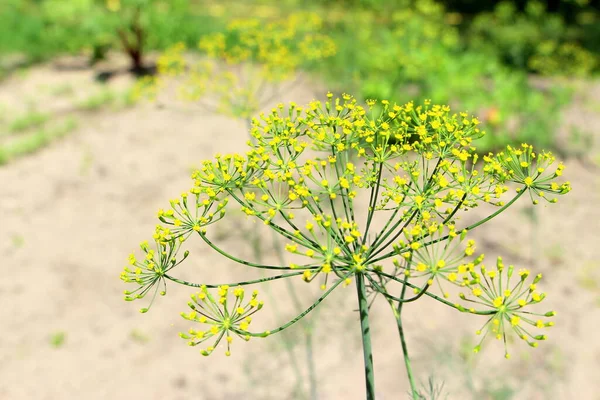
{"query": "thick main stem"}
(363, 306)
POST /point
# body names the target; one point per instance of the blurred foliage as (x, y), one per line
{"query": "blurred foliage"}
(567, 59)
(516, 30)
(417, 49)
(244, 67)
(43, 28)
(533, 39)
(58, 339)
(417, 52)
(280, 46)
(471, 54)
(30, 133)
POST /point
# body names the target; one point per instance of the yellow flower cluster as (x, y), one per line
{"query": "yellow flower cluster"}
(566, 59)
(492, 289)
(243, 60)
(418, 168)
(150, 272)
(223, 318)
(280, 46)
(186, 216)
(523, 166)
(113, 5)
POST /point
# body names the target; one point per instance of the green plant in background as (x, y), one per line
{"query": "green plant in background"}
(21, 30)
(50, 27)
(23, 141)
(513, 110)
(566, 59)
(138, 336)
(248, 65)
(416, 51)
(18, 240)
(62, 90)
(29, 120)
(379, 54)
(533, 39)
(303, 178)
(97, 101)
(589, 279)
(133, 25)
(58, 339)
(513, 34)
(431, 391)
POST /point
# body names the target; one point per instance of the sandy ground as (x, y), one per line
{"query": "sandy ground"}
(71, 213)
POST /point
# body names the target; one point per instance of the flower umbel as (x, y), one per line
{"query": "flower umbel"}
(371, 194)
(150, 272)
(222, 318)
(507, 303)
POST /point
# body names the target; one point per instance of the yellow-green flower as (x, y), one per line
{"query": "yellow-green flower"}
(150, 271)
(507, 305)
(221, 317)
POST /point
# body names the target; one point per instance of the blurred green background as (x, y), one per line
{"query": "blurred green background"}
(485, 57)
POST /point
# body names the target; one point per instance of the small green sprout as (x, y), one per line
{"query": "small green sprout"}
(57, 339)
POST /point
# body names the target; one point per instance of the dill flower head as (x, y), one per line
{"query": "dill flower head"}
(222, 316)
(507, 304)
(188, 215)
(523, 165)
(150, 271)
(303, 176)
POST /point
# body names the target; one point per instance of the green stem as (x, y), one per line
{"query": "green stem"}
(468, 228)
(346, 200)
(381, 290)
(284, 232)
(374, 250)
(334, 233)
(433, 296)
(409, 372)
(372, 203)
(232, 284)
(238, 260)
(363, 306)
(298, 317)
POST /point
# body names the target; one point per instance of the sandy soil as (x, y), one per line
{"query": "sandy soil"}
(71, 213)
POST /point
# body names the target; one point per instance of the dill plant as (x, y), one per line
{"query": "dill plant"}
(244, 67)
(304, 176)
